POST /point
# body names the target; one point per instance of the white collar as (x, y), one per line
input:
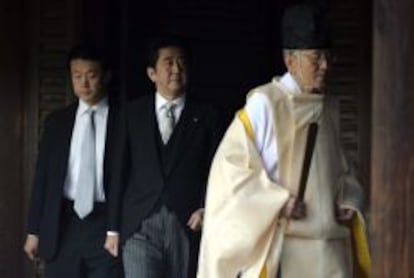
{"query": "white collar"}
(100, 106)
(290, 84)
(160, 101)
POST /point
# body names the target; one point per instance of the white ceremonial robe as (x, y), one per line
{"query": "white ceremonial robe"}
(243, 230)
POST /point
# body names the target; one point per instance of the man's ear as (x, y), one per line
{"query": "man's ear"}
(290, 61)
(151, 73)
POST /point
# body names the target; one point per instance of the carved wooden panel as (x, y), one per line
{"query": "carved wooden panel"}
(56, 36)
(351, 79)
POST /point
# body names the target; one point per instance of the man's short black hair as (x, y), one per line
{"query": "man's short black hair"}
(87, 52)
(159, 42)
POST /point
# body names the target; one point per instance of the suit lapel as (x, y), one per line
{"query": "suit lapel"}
(65, 134)
(149, 125)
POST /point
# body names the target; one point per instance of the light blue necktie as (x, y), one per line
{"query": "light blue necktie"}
(84, 197)
(167, 121)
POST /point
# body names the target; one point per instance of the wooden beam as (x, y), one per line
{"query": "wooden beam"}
(392, 190)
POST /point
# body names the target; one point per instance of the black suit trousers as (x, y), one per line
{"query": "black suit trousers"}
(81, 252)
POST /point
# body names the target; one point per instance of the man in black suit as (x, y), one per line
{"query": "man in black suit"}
(160, 173)
(67, 221)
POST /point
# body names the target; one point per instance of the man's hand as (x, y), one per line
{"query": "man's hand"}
(31, 246)
(345, 213)
(112, 244)
(196, 220)
(294, 209)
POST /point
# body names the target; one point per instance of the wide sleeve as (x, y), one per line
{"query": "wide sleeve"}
(242, 207)
(215, 134)
(350, 189)
(260, 118)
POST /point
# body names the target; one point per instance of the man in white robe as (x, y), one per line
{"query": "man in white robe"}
(254, 223)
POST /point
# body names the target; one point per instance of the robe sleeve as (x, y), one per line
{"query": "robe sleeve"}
(242, 208)
(350, 189)
(351, 195)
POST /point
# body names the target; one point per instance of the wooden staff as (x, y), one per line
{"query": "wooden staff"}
(310, 145)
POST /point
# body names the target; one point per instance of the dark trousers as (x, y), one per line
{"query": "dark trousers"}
(81, 252)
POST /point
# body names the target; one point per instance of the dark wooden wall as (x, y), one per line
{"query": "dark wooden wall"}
(11, 137)
(392, 207)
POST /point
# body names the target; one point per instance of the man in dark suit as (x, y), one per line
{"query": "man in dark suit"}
(161, 170)
(67, 217)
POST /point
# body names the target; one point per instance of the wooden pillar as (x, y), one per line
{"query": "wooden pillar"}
(11, 112)
(392, 189)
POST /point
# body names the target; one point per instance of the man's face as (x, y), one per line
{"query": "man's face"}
(309, 68)
(87, 80)
(170, 72)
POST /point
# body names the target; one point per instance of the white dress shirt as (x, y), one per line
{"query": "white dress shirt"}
(259, 113)
(75, 155)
